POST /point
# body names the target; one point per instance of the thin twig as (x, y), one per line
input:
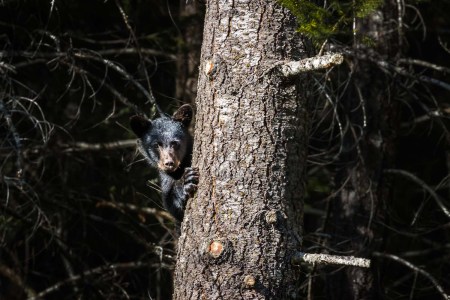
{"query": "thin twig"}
(425, 64)
(425, 186)
(416, 269)
(144, 68)
(99, 270)
(16, 140)
(16, 280)
(146, 210)
(82, 146)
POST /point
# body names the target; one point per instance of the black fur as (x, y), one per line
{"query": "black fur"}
(167, 145)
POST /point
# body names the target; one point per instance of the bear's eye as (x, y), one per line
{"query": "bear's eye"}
(175, 144)
(157, 145)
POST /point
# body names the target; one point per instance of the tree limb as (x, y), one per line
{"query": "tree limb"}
(294, 68)
(327, 259)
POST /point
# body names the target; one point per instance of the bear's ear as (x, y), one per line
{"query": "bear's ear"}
(184, 114)
(140, 125)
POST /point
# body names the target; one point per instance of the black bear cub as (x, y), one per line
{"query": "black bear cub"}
(167, 145)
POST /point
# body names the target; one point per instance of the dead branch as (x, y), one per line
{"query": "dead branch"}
(145, 51)
(111, 268)
(16, 280)
(120, 51)
(294, 68)
(384, 65)
(439, 113)
(17, 141)
(113, 65)
(109, 87)
(425, 64)
(327, 259)
(145, 210)
(136, 42)
(425, 186)
(82, 146)
(416, 269)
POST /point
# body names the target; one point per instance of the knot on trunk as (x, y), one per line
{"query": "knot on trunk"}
(217, 250)
(249, 281)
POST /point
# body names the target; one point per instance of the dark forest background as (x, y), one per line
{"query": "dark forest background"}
(80, 211)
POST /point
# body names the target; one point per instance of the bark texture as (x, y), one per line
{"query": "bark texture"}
(244, 224)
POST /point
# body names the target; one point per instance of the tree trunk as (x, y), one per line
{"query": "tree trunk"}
(370, 110)
(242, 228)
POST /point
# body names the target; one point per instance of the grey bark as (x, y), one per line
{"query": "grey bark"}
(244, 225)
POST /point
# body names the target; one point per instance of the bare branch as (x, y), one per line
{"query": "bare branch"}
(106, 268)
(146, 210)
(109, 87)
(425, 64)
(327, 259)
(42, 54)
(416, 269)
(443, 45)
(82, 146)
(136, 42)
(145, 51)
(400, 14)
(4, 67)
(425, 186)
(430, 115)
(16, 280)
(387, 66)
(17, 141)
(120, 70)
(92, 55)
(294, 68)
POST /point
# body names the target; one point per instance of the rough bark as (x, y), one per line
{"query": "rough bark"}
(242, 228)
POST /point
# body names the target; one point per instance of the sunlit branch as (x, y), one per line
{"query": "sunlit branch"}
(293, 68)
(327, 259)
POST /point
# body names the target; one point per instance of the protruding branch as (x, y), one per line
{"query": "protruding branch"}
(327, 259)
(326, 61)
